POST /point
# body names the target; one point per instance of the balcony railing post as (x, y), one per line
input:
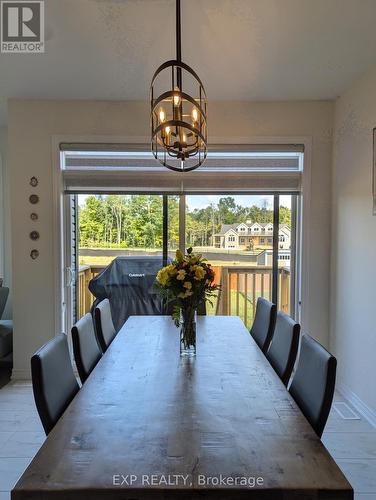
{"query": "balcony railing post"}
(223, 299)
(285, 290)
(88, 296)
(85, 298)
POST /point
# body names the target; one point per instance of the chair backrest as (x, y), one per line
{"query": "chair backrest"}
(104, 327)
(284, 347)
(54, 383)
(4, 292)
(313, 384)
(263, 325)
(85, 346)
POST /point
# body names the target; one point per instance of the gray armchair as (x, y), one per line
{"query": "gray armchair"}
(6, 333)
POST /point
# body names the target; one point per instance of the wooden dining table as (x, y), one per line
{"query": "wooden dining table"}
(148, 424)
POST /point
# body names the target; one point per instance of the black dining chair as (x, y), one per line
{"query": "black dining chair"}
(313, 383)
(263, 325)
(85, 346)
(284, 346)
(104, 327)
(6, 332)
(54, 383)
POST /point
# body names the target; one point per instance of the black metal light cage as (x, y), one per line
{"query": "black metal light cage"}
(178, 120)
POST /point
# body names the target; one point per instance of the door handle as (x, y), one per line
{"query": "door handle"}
(69, 276)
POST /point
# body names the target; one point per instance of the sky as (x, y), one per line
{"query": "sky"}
(202, 201)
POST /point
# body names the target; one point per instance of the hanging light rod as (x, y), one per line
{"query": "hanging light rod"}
(178, 119)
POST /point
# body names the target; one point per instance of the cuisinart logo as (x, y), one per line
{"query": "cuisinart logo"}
(22, 27)
(136, 275)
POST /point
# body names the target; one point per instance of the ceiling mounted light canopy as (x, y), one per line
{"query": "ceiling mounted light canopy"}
(178, 112)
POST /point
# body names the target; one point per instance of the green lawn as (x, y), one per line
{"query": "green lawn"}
(100, 260)
(244, 305)
(104, 260)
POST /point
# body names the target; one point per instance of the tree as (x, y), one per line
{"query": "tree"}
(91, 222)
(285, 216)
(227, 210)
(136, 221)
(117, 206)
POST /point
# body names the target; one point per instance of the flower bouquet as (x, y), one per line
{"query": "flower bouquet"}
(188, 282)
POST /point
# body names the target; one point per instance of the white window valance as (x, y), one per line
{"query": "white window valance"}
(130, 168)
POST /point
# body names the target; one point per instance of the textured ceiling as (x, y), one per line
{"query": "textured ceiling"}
(242, 49)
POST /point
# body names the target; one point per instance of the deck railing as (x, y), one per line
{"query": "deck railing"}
(85, 298)
(242, 285)
(240, 288)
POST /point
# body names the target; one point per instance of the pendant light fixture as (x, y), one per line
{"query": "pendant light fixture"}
(178, 112)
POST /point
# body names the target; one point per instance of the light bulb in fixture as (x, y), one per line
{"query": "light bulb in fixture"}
(176, 97)
(162, 115)
(194, 115)
(166, 135)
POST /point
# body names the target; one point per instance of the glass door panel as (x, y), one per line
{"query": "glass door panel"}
(235, 234)
(121, 225)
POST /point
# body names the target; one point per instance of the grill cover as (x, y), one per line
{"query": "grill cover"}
(128, 283)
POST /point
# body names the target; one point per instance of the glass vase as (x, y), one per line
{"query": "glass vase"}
(188, 332)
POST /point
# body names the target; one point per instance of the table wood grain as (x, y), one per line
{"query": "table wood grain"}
(146, 415)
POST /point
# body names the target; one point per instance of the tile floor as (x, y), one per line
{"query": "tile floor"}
(351, 442)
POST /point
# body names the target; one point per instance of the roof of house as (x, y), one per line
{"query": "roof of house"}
(227, 227)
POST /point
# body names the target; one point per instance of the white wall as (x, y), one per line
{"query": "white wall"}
(5, 244)
(31, 127)
(2, 205)
(353, 297)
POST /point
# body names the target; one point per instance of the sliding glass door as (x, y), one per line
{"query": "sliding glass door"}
(250, 239)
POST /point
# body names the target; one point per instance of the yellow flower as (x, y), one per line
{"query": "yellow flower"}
(179, 256)
(184, 295)
(171, 269)
(181, 275)
(162, 276)
(199, 273)
(187, 285)
(195, 258)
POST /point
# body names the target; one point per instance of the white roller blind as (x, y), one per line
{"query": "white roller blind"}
(131, 168)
